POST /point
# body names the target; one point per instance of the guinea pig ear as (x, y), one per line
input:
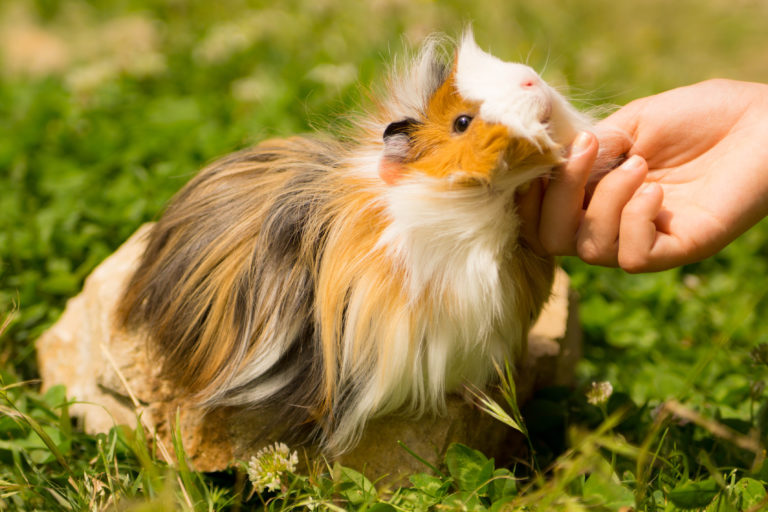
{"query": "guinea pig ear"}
(406, 126)
(397, 146)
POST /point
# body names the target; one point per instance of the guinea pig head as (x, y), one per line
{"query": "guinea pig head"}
(489, 121)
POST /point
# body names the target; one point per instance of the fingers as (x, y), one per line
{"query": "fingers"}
(616, 135)
(615, 145)
(638, 229)
(617, 132)
(529, 208)
(561, 208)
(617, 227)
(597, 241)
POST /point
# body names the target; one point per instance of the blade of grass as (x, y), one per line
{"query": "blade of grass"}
(420, 459)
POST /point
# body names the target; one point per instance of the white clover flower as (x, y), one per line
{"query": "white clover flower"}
(265, 468)
(599, 392)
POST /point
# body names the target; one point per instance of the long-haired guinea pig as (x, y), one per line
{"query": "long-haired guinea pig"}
(331, 282)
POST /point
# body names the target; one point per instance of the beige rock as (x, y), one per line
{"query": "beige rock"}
(108, 372)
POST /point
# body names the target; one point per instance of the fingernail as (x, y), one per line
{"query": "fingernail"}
(581, 144)
(646, 188)
(632, 163)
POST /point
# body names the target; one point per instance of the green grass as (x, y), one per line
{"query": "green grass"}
(95, 145)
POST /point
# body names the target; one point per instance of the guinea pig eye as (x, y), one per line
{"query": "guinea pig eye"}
(461, 124)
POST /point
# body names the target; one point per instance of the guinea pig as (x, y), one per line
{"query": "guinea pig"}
(331, 281)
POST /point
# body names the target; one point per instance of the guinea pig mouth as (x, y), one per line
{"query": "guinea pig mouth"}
(546, 113)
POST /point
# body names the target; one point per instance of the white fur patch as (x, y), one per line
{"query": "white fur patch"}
(504, 90)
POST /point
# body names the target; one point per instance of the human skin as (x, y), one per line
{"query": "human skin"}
(695, 178)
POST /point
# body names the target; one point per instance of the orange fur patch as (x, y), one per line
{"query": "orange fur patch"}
(439, 151)
(352, 244)
(475, 154)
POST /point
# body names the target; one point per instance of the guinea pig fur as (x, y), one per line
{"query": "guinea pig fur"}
(333, 281)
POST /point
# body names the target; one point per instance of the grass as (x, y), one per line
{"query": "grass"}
(133, 96)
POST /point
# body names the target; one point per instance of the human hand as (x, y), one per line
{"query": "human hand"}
(705, 181)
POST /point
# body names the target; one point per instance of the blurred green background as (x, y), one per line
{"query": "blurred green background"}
(108, 107)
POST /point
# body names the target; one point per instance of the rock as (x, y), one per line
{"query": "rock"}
(108, 372)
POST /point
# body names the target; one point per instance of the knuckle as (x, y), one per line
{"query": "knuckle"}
(632, 210)
(615, 182)
(718, 83)
(554, 244)
(633, 262)
(591, 252)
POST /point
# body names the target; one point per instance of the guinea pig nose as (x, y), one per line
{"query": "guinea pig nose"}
(529, 81)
